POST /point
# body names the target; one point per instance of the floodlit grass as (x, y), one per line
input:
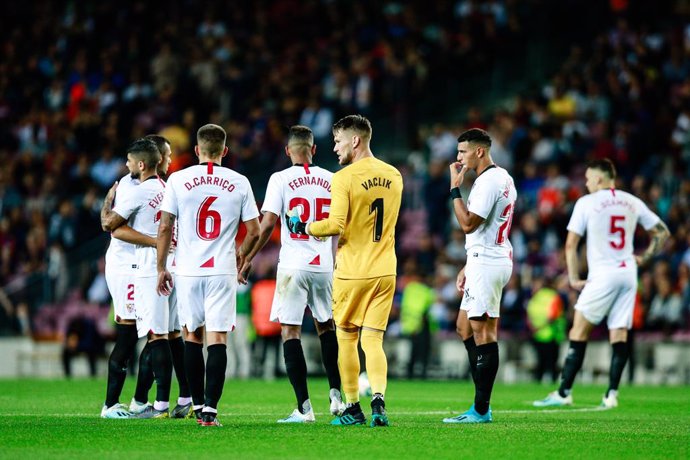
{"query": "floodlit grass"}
(60, 419)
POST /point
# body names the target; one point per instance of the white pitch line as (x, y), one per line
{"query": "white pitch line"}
(393, 413)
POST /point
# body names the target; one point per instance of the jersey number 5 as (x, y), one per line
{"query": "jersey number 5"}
(305, 214)
(208, 220)
(617, 228)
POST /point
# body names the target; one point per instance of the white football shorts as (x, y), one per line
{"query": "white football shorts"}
(483, 287)
(612, 295)
(207, 301)
(121, 287)
(153, 310)
(298, 289)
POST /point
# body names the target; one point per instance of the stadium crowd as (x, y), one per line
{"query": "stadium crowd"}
(78, 82)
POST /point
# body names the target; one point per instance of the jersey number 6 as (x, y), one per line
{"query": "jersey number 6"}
(208, 220)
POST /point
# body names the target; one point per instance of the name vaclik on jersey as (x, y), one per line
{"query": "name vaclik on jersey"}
(376, 182)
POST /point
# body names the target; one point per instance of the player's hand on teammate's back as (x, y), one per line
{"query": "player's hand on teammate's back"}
(165, 283)
(294, 223)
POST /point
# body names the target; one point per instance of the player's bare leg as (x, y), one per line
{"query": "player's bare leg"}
(329, 356)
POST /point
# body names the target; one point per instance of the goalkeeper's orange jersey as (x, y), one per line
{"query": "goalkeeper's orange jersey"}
(365, 202)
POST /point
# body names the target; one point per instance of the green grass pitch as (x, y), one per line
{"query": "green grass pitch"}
(60, 419)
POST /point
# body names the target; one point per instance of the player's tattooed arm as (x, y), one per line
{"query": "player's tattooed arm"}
(659, 234)
(571, 260)
(110, 220)
(164, 239)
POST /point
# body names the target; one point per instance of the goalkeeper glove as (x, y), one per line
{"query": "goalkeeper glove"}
(294, 224)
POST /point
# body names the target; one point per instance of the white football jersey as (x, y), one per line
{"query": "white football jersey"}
(608, 218)
(307, 188)
(493, 198)
(142, 207)
(208, 201)
(119, 258)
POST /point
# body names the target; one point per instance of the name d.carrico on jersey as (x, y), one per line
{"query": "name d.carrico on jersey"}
(376, 182)
(209, 180)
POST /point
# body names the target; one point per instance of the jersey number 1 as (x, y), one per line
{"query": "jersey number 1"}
(377, 208)
(208, 220)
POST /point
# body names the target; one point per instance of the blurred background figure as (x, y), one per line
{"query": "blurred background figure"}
(82, 337)
(417, 299)
(239, 351)
(267, 350)
(546, 320)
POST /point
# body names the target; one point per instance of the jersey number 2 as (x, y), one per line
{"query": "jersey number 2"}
(504, 229)
(305, 214)
(208, 220)
(617, 228)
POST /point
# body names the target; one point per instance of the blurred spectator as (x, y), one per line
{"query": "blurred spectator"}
(239, 354)
(267, 350)
(82, 336)
(417, 299)
(545, 314)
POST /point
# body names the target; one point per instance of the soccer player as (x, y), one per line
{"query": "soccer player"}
(142, 206)
(486, 220)
(608, 216)
(120, 269)
(366, 197)
(208, 201)
(139, 405)
(305, 268)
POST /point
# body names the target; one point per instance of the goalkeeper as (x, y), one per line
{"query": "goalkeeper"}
(365, 203)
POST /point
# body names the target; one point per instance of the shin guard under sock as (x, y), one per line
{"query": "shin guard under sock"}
(487, 367)
(216, 364)
(296, 368)
(125, 343)
(573, 363)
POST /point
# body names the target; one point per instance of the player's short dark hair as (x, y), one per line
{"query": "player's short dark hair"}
(300, 134)
(357, 123)
(145, 150)
(211, 140)
(159, 140)
(476, 136)
(604, 165)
